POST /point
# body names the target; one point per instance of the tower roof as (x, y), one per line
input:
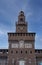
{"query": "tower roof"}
(21, 13)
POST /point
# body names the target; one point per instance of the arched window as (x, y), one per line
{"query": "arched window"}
(21, 19)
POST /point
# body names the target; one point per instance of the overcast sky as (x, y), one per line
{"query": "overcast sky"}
(9, 11)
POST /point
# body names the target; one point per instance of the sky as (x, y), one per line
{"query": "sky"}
(9, 11)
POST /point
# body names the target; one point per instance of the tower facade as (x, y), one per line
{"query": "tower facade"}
(21, 44)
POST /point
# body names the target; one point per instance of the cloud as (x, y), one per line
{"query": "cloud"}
(2, 33)
(41, 39)
(28, 14)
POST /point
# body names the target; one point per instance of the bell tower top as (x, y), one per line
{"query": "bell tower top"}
(21, 25)
(21, 12)
(21, 17)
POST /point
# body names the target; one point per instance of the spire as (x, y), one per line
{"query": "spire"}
(21, 13)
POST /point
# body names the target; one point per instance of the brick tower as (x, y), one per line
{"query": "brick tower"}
(21, 44)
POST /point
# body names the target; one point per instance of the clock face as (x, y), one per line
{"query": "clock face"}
(21, 28)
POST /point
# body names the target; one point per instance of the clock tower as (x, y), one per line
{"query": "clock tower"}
(21, 25)
(21, 44)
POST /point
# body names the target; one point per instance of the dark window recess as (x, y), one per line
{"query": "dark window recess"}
(11, 51)
(21, 51)
(16, 51)
(26, 52)
(32, 34)
(41, 51)
(31, 52)
(4, 51)
(38, 51)
(13, 34)
(23, 34)
(21, 19)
